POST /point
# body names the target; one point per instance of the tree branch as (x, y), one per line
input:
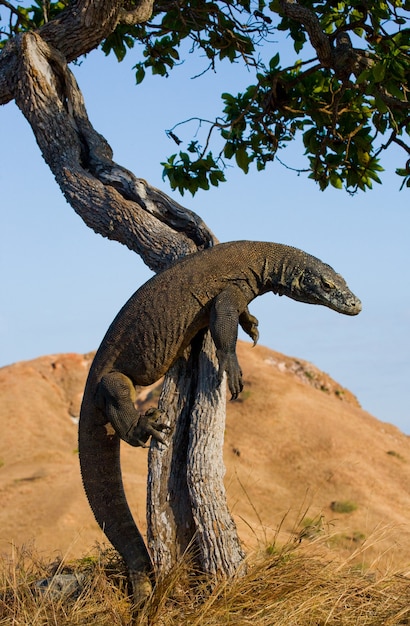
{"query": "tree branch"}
(185, 478)
(10, 7)
(8, 71)
(319, 40)
(81, 27)
(75, 31)
(137, 14)
(342, 58)
(392, 101)
(122, 207)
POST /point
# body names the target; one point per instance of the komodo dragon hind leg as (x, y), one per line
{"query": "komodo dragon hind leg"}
(115, 397)
(149, 426)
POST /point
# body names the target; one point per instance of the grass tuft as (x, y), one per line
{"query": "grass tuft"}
(300, 584)
(343, 506)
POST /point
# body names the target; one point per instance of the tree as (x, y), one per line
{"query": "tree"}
(347, 103)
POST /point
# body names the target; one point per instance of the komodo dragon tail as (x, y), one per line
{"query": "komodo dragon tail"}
(101, 473)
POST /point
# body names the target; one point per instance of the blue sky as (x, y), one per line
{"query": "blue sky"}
(62, 284)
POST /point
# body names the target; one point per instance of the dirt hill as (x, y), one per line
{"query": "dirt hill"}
(297, 445)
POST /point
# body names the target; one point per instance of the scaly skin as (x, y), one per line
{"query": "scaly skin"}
(209, 289)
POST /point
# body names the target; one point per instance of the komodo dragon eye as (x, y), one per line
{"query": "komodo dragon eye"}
(327, 285)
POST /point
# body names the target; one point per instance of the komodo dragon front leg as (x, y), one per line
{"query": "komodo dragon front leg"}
(116, 396)
(229, 309)
(249, 324)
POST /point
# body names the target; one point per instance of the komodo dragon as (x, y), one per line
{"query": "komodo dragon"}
(211, 288)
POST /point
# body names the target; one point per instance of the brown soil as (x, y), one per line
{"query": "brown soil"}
(297, 446)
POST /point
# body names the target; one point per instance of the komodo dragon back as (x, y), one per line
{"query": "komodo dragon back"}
(209, 289)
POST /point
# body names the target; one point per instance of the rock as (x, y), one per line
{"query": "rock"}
(61, 586)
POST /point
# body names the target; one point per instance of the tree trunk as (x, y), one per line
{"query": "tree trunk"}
(216, 536)
(187, 508)
(186, 500)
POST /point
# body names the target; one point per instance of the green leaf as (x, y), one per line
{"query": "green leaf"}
(379, 72)
(275, 6)
(229, 150)
(274, 62)
(336, 181)
(298, 45)
(242, 159)
(228, 97)
(193, 147)
(215, 177)
(374, 176)
(140, 73)
(185, 158)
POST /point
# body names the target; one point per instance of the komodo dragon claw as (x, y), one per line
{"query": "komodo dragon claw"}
(141, 588)
(115, 396)
(229, 363)
(147, 426)
(250, 324)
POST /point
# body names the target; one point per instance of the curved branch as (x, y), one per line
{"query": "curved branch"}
(342, 58)
(108, 197)
(391, 101)
(10, 7)
(8, 71)
(319, 40)
(75, 31)
(81, 27)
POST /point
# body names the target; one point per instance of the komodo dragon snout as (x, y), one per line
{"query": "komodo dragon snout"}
(324, 286)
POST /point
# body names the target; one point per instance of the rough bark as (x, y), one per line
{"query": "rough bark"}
(170, 522)
(220, 552)
(341, 57)
(109, 198)
(319, 40)
(118, 205)
(186, 490)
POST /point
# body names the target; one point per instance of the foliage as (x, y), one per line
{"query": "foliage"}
(29, 18)
(396, 455)
(346, 112)
(343, 506)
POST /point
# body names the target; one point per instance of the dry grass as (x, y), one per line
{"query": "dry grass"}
(298, 585)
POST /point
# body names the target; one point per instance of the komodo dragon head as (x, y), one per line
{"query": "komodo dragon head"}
(315, 282)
